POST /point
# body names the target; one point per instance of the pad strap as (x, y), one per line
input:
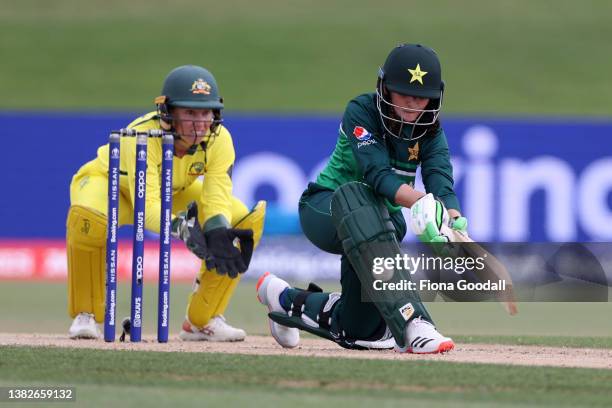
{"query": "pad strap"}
(327, 308)
(298, 305)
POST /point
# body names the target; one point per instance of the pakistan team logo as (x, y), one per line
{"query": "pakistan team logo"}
(417, 74)
(413, 152)
(200, 86)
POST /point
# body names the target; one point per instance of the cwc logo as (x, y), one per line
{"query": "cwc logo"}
(361, 133)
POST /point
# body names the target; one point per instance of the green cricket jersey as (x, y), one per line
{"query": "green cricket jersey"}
(363, 153)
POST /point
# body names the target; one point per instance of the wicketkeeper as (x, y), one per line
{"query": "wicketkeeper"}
(354, 210)
(206, 216)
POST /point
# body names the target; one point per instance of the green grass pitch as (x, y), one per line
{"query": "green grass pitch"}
(131, 378)
(499, 58)
(107, 378)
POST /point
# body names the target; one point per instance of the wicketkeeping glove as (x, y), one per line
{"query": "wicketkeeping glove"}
(186, 227)
(226, 257)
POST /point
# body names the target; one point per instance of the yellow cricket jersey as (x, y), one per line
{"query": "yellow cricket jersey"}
(214, 163)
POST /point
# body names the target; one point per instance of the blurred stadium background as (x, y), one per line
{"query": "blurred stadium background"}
(527, 115)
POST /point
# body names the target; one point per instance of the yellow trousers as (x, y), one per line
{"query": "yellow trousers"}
(86, 249)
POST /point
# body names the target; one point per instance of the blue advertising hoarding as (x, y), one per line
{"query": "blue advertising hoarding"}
(536, 179)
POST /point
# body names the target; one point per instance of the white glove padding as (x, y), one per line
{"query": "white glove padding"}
(429, 219)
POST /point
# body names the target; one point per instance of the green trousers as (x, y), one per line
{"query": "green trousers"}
(353, 316)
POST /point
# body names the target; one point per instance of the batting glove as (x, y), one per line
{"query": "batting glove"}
(427, 216)
(459, 224)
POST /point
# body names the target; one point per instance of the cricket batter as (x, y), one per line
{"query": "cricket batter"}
(190, 107)
(354, 210)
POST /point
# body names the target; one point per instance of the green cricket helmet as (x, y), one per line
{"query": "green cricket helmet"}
(410, 69)
(190, 86)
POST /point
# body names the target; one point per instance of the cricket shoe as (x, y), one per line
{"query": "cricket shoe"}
(386, 342)
(84, 327)
(269, 288)
(217, 329)
(423, 338)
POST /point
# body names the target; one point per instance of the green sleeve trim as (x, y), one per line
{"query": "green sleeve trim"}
(403, 165)
(217, 221)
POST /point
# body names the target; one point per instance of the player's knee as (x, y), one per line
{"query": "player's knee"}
(85, 224)
(359, 215)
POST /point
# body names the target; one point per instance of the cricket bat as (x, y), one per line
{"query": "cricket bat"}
(494, 269)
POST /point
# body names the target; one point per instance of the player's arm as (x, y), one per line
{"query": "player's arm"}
(429, 214)
(216, 199)
(437, 171)
(406, 196)
(217, 186)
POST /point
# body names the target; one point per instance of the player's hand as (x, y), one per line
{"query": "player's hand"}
(226, 257)
(428, 217)
(186, 227)
(459, 224)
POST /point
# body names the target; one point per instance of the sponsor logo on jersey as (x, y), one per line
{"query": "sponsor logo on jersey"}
(366, 143)
(196, 169)
(361, 133)
(200, 86)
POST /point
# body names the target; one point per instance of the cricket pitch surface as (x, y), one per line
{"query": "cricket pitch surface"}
(309, 347)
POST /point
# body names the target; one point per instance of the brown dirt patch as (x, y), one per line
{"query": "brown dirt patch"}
(263, 345)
